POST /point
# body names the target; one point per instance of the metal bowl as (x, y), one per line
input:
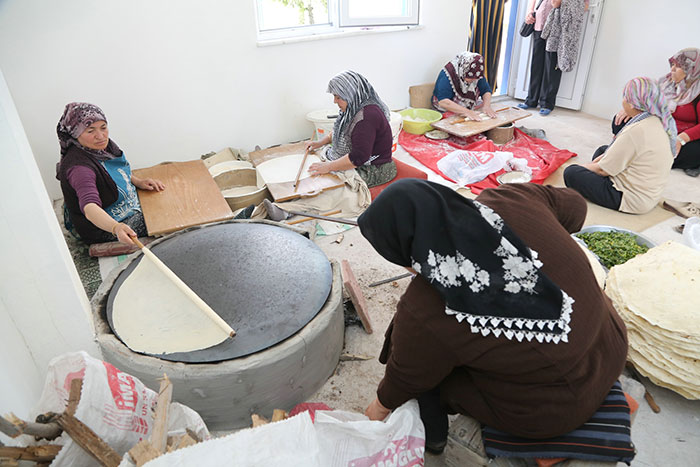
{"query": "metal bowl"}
(639, 238)
(515, 176)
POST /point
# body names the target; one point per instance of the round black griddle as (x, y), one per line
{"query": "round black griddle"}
(266, 282)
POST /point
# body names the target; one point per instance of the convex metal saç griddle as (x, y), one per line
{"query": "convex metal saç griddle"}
(266, 282)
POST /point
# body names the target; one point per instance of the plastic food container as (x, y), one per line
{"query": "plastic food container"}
(419, 121)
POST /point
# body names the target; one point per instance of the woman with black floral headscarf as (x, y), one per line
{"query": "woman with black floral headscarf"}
(361, 137)
(99, 190)
(504, 320)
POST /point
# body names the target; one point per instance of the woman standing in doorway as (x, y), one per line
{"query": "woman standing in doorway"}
(545, 75)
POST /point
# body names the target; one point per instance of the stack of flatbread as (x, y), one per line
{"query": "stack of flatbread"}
(657, 296)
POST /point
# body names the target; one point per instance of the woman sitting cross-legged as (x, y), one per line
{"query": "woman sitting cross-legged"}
(631, 173)
(361, 137)
(99, 191)
(461, 87)
(504, 320)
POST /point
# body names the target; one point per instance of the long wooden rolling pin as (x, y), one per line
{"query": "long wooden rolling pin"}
(206, 309)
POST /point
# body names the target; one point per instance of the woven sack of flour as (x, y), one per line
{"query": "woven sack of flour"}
(116, 406)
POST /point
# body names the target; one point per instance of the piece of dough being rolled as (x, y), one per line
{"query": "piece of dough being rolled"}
(153, 313)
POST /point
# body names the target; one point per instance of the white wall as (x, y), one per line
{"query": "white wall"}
(179, 78)
(636, 38)
(43, 308)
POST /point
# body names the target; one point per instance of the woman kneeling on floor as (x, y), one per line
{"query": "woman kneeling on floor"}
(631, 173)
(99, 191)
(361, 137)
(461, 84)
(504, 320)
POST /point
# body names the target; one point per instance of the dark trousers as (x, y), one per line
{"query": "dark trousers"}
(593, 187)
(433, 416)
(545, 75)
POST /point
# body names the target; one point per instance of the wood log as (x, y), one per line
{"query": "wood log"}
(13, 424)
(143, 452)
(44, 453)
(193, 435)
(258, 420)
(356, 296)
(89, 441)
(278, 414)
(159, 435)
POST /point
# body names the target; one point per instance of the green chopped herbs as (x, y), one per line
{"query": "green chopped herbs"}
(612, 247)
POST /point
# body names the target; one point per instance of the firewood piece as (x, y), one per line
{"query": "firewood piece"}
(76, 387)
(89, 441)
(278, 414)
(44, 453)
(193, 435)
(180, 441)
(48, 431)
(143, 452)
(358, 300)
(258, 420)
(159, 435)
(350, 357)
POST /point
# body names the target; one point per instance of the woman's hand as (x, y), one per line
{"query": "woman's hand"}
(376, 411)
(150, 184)
(470, 115)
(313, 145)
(681, 136)
(621, 117)
(124, 233)
(489, 111)
(530, 17)
(319, 168)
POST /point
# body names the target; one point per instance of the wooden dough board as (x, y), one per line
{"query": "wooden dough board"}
(470, 127)
(191, 197)
(307, 186)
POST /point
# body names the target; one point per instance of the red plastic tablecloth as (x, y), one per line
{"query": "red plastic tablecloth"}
(541, 156)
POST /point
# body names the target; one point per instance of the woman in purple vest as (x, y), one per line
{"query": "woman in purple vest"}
(99, 190)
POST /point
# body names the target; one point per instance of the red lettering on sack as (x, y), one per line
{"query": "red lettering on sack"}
(122, 387)
(405, 452)
(483, 157)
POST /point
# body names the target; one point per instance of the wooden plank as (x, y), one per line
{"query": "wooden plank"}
(456, 125)
(159, 435)
(76, 386)
(179, 442)
(191, 197)
(143, 452)
(44, 453)
(308, 186)
(89, 441)
(356, 296)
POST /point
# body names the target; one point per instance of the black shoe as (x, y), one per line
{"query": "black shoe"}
(435, 447)
(692, 172)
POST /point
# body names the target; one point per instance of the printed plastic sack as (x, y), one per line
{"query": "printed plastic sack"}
(334, 439)
(115, 405)
(350, 439)
(467, 167)
(691, 233)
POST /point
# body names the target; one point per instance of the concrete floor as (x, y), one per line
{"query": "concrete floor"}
(669, 438)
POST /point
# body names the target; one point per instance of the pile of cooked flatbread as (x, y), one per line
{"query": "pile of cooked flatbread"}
(657, 296)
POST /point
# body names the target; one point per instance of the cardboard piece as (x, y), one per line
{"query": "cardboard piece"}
(455, 125)
(191, 197)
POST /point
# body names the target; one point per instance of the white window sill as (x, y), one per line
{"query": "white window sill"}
(347, 32)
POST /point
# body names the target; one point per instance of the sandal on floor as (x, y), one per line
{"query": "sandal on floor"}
(682, 208)
(692, 172)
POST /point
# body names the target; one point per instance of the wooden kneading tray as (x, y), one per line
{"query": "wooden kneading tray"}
(456, 125)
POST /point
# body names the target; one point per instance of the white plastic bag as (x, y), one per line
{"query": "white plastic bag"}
(350, 439)
(691, 233)
(335, 439)
(467, 167)
(116, 406)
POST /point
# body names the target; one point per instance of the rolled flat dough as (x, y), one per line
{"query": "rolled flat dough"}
(284, 169)
(151, 314)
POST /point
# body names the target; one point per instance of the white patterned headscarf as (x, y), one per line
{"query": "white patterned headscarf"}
(688, 89)
(354, 89)
(490, 280)
(467, 65)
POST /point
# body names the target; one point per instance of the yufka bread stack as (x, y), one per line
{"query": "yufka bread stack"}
(656, 294)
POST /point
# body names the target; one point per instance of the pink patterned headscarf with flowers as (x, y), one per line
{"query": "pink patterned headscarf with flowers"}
(77, 116)
(467, 65)
(687, 90)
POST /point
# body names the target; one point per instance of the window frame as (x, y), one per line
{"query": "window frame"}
(345, 21)
(334, 28)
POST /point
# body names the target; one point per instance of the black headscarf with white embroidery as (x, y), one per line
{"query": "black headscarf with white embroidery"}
(486, 274)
